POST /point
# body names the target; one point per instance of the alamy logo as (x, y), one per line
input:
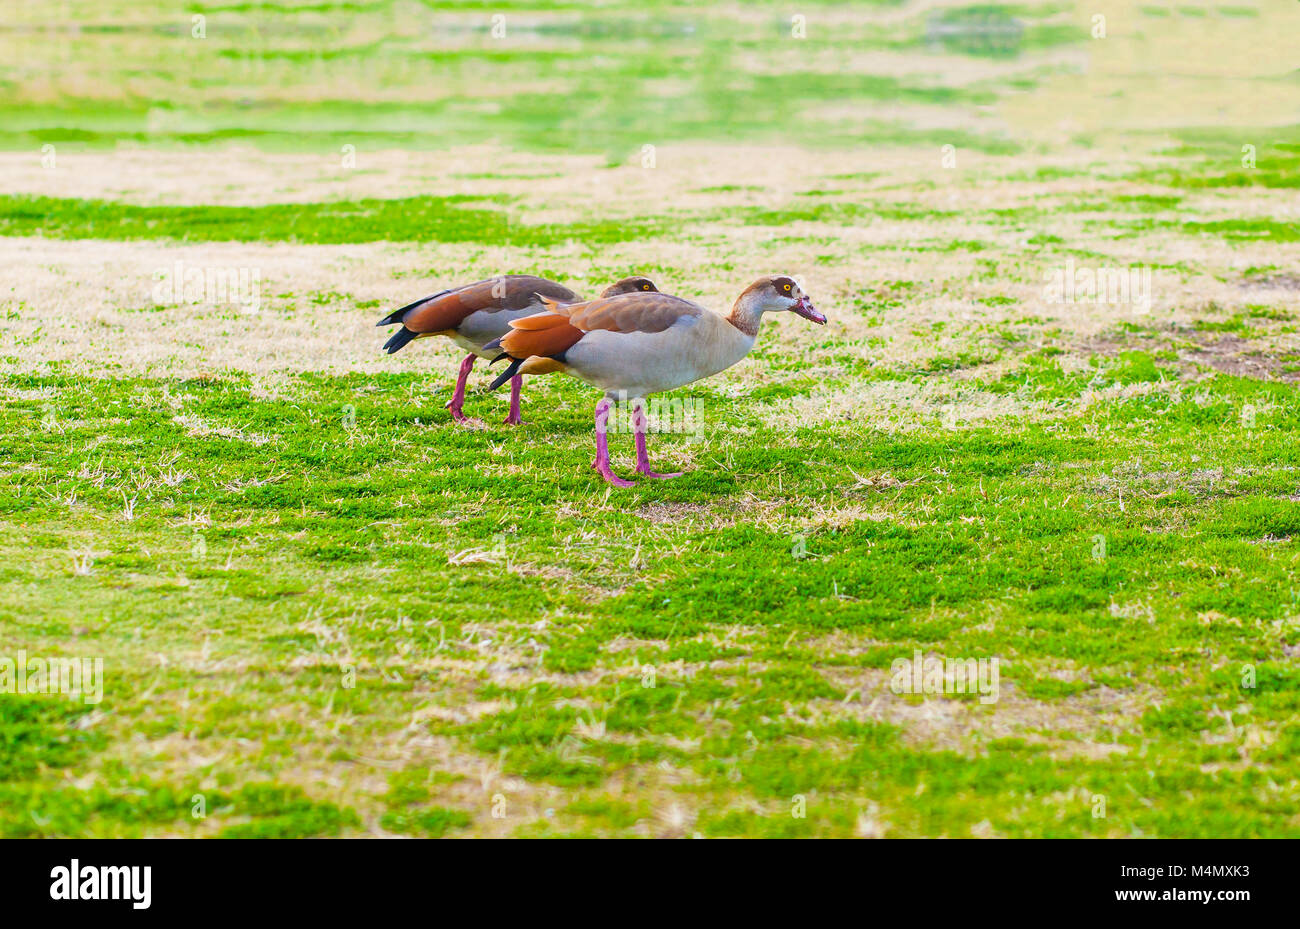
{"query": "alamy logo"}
(920, 675)
(182, 284)
(681, 415)
(68, 676)
(1100, 285)
(103, 883)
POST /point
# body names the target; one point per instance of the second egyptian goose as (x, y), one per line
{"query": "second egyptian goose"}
(478, 313)
(637, 344)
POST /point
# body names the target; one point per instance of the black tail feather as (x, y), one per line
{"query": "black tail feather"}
(494, 346)
(396, 315)
(400, 338)
(508, 373)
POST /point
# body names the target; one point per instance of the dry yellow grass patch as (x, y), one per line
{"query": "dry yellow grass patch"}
(89, 304)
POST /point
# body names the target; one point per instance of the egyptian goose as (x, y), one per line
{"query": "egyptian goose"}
(475, 314)
(637, 344)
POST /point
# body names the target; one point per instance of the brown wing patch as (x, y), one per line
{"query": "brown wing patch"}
(542, 334)
(635, 312)
(523, 290)
(437, 314)
(559, 329)
(544, 320)
(512, 292)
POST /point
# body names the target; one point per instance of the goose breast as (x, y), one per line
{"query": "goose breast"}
(640, 363)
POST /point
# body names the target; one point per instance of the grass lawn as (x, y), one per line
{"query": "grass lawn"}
(324, 609)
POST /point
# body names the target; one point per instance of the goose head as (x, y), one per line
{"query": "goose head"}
(630, 285)
(777, 292)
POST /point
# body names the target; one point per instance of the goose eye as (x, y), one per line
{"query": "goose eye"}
(645, 286)
(785, 287)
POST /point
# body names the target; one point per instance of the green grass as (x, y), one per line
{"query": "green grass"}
(354, 530)
(306, 78)
(414, 219)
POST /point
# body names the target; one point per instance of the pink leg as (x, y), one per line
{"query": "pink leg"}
(514, 419)
(639, 424)
(601, 464)
(458, 396)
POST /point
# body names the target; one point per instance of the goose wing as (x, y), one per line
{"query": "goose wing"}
(558, 328)
(446, 310)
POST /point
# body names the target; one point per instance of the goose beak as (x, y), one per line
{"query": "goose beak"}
(805, 309)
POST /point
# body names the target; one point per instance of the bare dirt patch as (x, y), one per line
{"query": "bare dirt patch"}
(1096, 716)
(1231, 354)
(1283, 281)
